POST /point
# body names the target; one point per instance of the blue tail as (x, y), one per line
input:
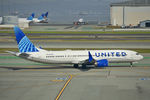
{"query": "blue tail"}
(41, 17)
(46, 14)
(24, 44)
(31, 17)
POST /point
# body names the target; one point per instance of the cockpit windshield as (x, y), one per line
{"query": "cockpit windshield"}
(137, 53)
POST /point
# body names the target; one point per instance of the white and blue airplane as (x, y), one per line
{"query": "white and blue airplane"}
(28, 19)
(42, 19)
(99, 58)
(31, 17)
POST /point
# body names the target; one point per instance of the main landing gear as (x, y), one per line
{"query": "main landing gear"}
(75, 65)
(83, 66)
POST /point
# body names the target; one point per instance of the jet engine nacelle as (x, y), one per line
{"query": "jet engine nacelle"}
(101, 63)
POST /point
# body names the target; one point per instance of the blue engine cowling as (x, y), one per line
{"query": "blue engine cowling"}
(102, 63)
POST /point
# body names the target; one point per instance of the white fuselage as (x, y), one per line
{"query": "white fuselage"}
(79, 56)
(24, 20)
(38, 21)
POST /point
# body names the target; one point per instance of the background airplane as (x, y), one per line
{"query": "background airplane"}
(31, 17)
(42, 18)
(28, 19)
(99, 58)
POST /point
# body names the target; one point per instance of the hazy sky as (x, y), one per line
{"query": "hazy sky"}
(60, 10)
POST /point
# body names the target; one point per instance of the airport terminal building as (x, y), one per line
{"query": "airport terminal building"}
(130, 13)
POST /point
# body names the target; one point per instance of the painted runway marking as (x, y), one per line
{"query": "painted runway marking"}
(144, 79)
(59, 79)
(64, 78)
(60, 93)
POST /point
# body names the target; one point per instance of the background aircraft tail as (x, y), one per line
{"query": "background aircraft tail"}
(46, 14)
(43, 16)
(31, 17)
(24, 44)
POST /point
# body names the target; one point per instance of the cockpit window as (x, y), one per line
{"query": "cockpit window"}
(137, 53)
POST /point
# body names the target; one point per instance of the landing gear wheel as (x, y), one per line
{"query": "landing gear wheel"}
(75, 65)
(83, 66)
(131, 64)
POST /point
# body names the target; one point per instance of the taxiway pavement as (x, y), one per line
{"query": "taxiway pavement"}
(76, 44)
(66, 40)
(25, 80)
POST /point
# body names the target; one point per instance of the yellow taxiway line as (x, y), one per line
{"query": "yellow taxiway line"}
(60, 93)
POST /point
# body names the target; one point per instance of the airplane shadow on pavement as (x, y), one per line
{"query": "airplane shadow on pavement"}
(55, 67)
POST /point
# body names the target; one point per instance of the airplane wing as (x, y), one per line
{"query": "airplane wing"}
(88, 61)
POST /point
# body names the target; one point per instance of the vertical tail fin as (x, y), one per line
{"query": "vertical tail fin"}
(31, 17)
(41, 17)
(24, 44)
(46, 14)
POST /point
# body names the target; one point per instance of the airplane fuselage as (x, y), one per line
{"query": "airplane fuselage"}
(76, 57)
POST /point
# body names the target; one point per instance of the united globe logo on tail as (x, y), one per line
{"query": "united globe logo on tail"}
(24, 44)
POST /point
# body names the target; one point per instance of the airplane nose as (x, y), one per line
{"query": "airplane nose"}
(141, 57)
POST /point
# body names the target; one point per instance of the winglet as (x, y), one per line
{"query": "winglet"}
(90, 57)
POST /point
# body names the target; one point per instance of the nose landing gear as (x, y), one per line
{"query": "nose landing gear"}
(131, 64)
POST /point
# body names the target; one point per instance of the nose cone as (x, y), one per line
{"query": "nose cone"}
(140, 57)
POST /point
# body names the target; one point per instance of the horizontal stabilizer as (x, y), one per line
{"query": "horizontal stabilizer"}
(11, 52)
(90, 57)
